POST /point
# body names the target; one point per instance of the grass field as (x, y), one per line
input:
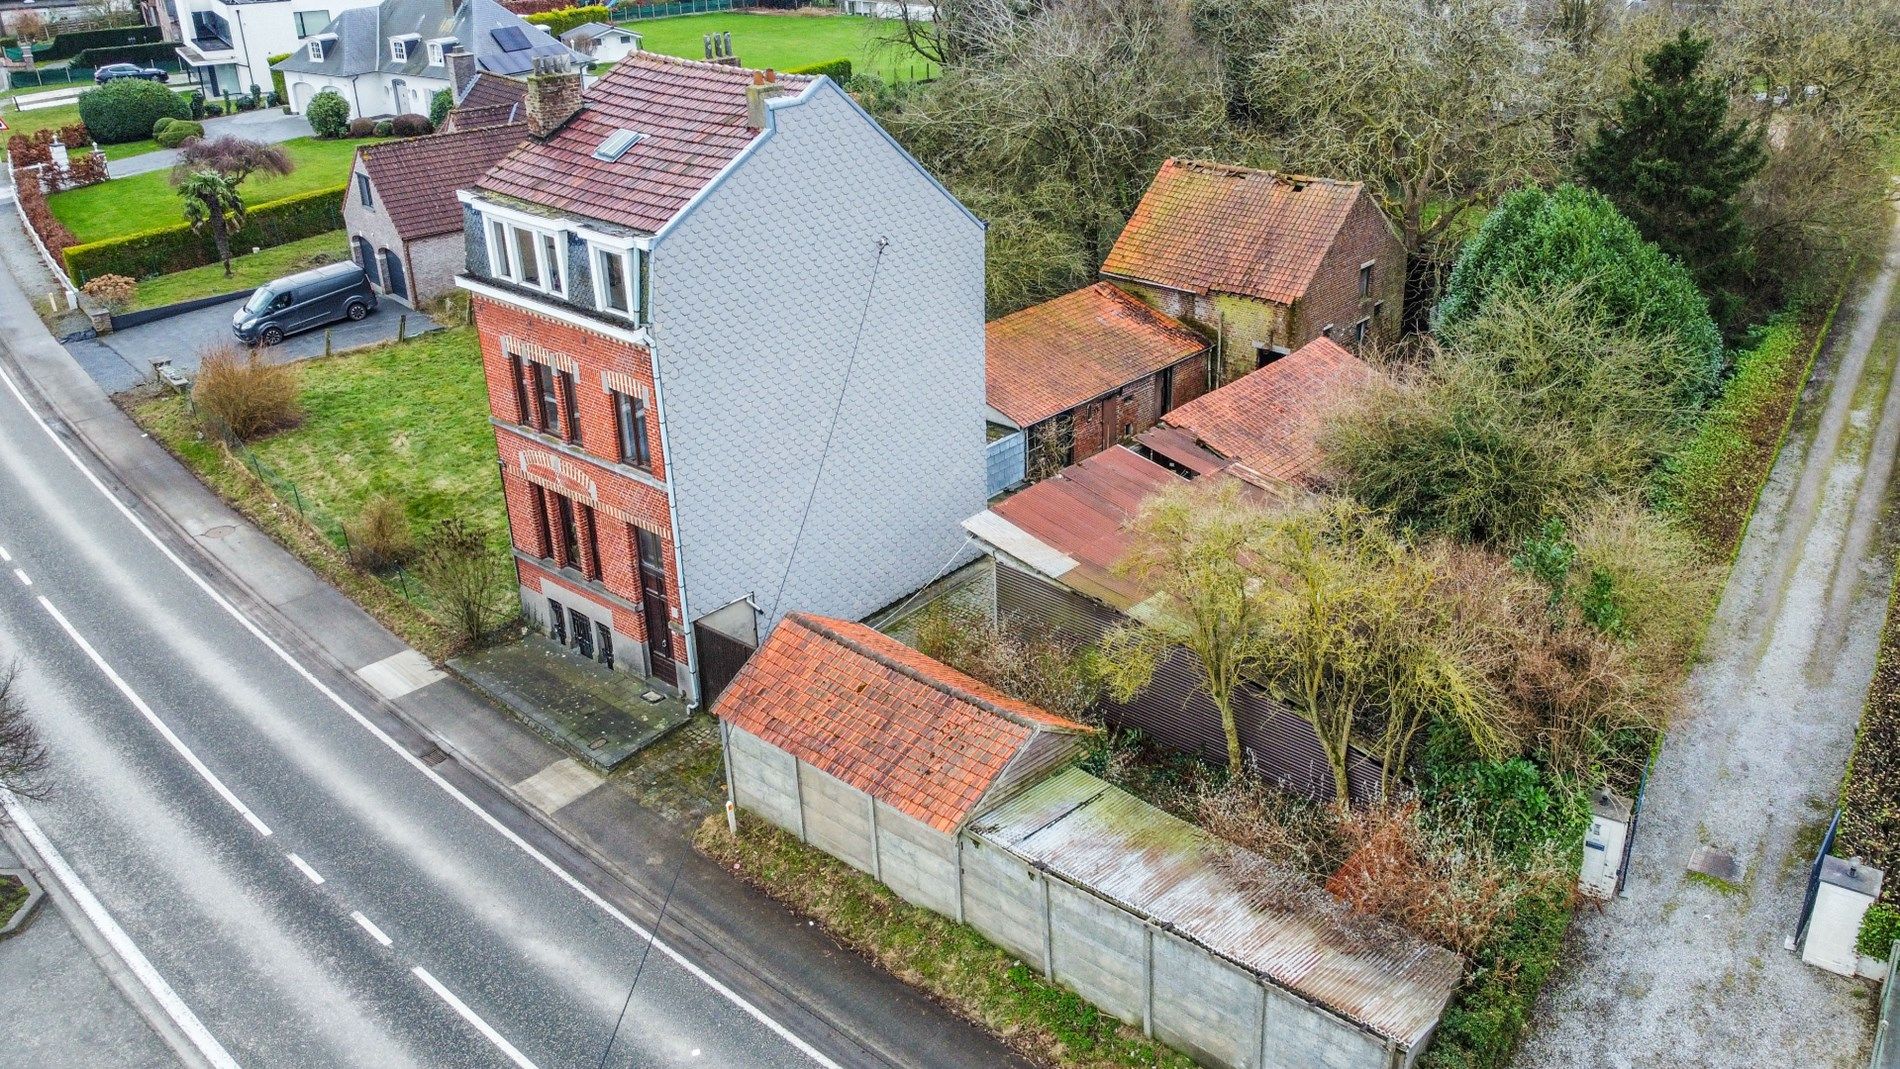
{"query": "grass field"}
(785, 41)
(143, 201)
(406, 419)
(27, 122)
(252, 270)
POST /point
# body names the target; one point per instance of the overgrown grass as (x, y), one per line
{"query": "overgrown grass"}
(406, 420)
(789, 40)
(144, 201)
(253, 269)
(12, 897)
(950, 961)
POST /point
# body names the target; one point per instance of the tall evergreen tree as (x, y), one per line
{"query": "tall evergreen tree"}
(1673, 162)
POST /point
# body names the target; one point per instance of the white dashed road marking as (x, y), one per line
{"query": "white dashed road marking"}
(370, 927)
(304, 867)
(470, 1016)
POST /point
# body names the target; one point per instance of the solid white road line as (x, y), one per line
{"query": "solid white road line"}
(470, 1016)
(21, 576)
(121, 943)
(139, 704)
(417, 763)
(304, 867)
(370, 927)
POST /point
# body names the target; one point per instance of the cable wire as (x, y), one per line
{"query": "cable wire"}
(652, 934)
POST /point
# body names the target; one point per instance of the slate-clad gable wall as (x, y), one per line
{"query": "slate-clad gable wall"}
(757, 298)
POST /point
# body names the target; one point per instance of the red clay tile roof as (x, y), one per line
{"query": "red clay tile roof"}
(415, 179)
(1209, 227)
(693, 116)
(1269, 420)
(1047, 359)
(917, 735)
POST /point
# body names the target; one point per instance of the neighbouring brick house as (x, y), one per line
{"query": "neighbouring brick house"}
(959, 799)
(482, 99)
(1078, 373)
(1262, 262)
(719, 390)
(401, 212)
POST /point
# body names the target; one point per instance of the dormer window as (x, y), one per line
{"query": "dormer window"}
(436, 49)
(399, 49)
(315, 48)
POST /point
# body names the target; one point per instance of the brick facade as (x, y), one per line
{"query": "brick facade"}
(1333, 296)
(1104, 421)
(617, 499)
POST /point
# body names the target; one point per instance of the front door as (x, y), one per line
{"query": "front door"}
(604, 638)
(656, 606)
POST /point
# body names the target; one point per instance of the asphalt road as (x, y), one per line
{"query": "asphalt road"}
(123, 359)
(312, 893)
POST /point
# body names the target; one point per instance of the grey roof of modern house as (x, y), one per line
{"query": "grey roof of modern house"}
(483, 27)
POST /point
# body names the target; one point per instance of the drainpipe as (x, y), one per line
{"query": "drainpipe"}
(672, 502)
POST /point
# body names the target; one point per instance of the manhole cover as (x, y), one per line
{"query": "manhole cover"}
(1717, 863)
(434, 756)
(221, 531)
(652, 697)
(598, 743)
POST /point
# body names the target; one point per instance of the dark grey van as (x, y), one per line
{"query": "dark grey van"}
(304, 300)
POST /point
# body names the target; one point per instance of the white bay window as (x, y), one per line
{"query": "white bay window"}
(620, 281)
(528, 256)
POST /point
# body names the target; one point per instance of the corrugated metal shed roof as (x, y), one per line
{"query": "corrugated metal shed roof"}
(1157, 866)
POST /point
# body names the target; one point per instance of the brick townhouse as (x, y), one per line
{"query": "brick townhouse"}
(733, 338)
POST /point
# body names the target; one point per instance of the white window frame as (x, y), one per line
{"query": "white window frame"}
(297, 21)
(629, 273)
(399, 49)
(435, 53)
(315, 50)
(509, 267)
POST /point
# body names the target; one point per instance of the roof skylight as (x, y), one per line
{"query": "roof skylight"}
(616, 144)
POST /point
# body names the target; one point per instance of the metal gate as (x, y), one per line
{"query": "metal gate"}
(723, 641)
(1814, 882)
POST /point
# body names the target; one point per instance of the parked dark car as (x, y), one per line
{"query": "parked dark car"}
(302, 301)
(112, 72)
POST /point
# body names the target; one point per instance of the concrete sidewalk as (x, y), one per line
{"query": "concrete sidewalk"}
(856, 1013)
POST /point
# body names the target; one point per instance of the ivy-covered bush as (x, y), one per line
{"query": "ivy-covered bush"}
(329, 114)
(439, 106)
(175, 248)
(277, 77)
(126, 110)
(1547, 242)
(1879, 927)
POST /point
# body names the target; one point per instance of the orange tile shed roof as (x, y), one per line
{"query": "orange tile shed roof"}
(1269, 420)
(1048, 358)
(916, 734)
(1211, 227)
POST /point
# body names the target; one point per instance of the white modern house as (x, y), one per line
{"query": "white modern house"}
(391, 58)
(600, 42)
(226, 45)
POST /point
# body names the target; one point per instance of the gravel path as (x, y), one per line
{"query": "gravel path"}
(1680, 972)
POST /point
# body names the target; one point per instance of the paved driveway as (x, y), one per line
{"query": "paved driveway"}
(123, 359)
(269, 125)
(1683, 974)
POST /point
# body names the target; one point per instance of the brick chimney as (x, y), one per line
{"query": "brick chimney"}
(764, 87)
(554, 95)
(461, 63)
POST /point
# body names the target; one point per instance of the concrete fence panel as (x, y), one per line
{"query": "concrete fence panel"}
(836, 818)
(1100, 952)
(1203, 1006)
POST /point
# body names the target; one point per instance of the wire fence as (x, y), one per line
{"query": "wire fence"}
(310, 510)
(638, 12)
(60, 74)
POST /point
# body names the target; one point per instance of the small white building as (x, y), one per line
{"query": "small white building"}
(391, 58)
(600, 42)
(226, 45)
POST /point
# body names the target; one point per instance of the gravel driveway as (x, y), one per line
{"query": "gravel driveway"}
(1681, 973)
(123, 359)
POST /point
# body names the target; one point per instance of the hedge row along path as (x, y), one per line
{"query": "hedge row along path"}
(1684, 972)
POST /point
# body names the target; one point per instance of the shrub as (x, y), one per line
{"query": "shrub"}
(27, 150)
(176, 134)
(279, 93)
(196, 101)
(248, 395)
(561, 20)
(71, 43)
(126, 110)
(463, 575)
(213, 109)
(1538, 242)
(329, 114)
(51, 232)
(1870, 792)
(145, 55)
(411, 125)
(85, 169)
(380, 536)
(177, 247)
(365, 127)
(380, 128)
(75, 134)
(838, 70)
(116, 292)
(439, 106)
(1879, 927)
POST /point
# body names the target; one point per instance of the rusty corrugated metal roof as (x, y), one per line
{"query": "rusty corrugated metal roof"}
(1162, 868)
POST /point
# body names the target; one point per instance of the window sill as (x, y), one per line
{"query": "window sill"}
(566, 448)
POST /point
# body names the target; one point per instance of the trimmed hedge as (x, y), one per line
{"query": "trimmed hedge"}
(277, 76)
(1879, 927)
(838, 70)
(1870, 793)
(560, 21)
(145, 55)
(171, 133)
(176, 248)
(126, 110)
(71, 43)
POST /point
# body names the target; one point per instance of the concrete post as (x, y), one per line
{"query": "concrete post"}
(1048, 934)
(732, 791)
(1148, 981)
(877, 853)
(798, 795)
(959, 878)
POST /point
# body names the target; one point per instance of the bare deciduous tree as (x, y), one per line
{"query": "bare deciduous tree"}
(23, 758)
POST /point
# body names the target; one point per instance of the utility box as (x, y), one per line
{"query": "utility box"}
(1604, 846)
(1841, 896)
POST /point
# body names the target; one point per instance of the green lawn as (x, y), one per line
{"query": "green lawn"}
(144, 201)
(27, 122)
(406, 419)
(252, 270)
(786, 41)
